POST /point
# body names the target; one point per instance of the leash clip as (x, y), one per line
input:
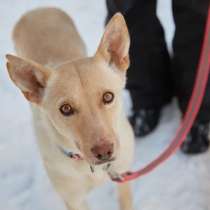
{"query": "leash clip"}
(114, 176)
(119, 178)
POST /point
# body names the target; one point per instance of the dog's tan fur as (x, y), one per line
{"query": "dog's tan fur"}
(53, 69)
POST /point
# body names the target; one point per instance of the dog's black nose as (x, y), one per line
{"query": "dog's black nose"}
(103, 152)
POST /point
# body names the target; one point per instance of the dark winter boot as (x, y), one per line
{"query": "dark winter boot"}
(197, 140)
(144, 121)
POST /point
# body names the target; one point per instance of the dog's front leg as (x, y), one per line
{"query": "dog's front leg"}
(78, 206)
(74, 203)
(72, 195)
(125, 197)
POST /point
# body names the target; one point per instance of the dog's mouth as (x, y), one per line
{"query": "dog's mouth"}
(105, 164)
(106, 167)
(100, 162)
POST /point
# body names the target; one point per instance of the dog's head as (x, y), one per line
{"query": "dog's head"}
(82, 98)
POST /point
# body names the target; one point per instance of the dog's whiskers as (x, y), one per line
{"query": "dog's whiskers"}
(92, 168)
(107, 166)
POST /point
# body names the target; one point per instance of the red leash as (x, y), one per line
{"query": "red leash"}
(190, 115)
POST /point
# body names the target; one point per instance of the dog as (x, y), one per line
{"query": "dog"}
(82, 131)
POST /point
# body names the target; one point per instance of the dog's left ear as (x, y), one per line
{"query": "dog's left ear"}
(30, 77)
(115, 43)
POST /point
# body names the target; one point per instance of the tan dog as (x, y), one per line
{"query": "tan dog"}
(76, 101)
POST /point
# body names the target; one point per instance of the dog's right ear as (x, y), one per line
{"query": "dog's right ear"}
(30, 77)
(115, 43)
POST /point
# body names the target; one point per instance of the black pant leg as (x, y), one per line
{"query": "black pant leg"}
(149, 79)
(122, 6)
(190, 19)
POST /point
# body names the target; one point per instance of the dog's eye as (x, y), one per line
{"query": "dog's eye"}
(108, 97)
(66, 110)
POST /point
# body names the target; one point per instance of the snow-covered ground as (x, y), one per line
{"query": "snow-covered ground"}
(182, 183)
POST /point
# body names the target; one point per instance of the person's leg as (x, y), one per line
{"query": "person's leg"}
(114, 6)
(190, 19)
(149, 79)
